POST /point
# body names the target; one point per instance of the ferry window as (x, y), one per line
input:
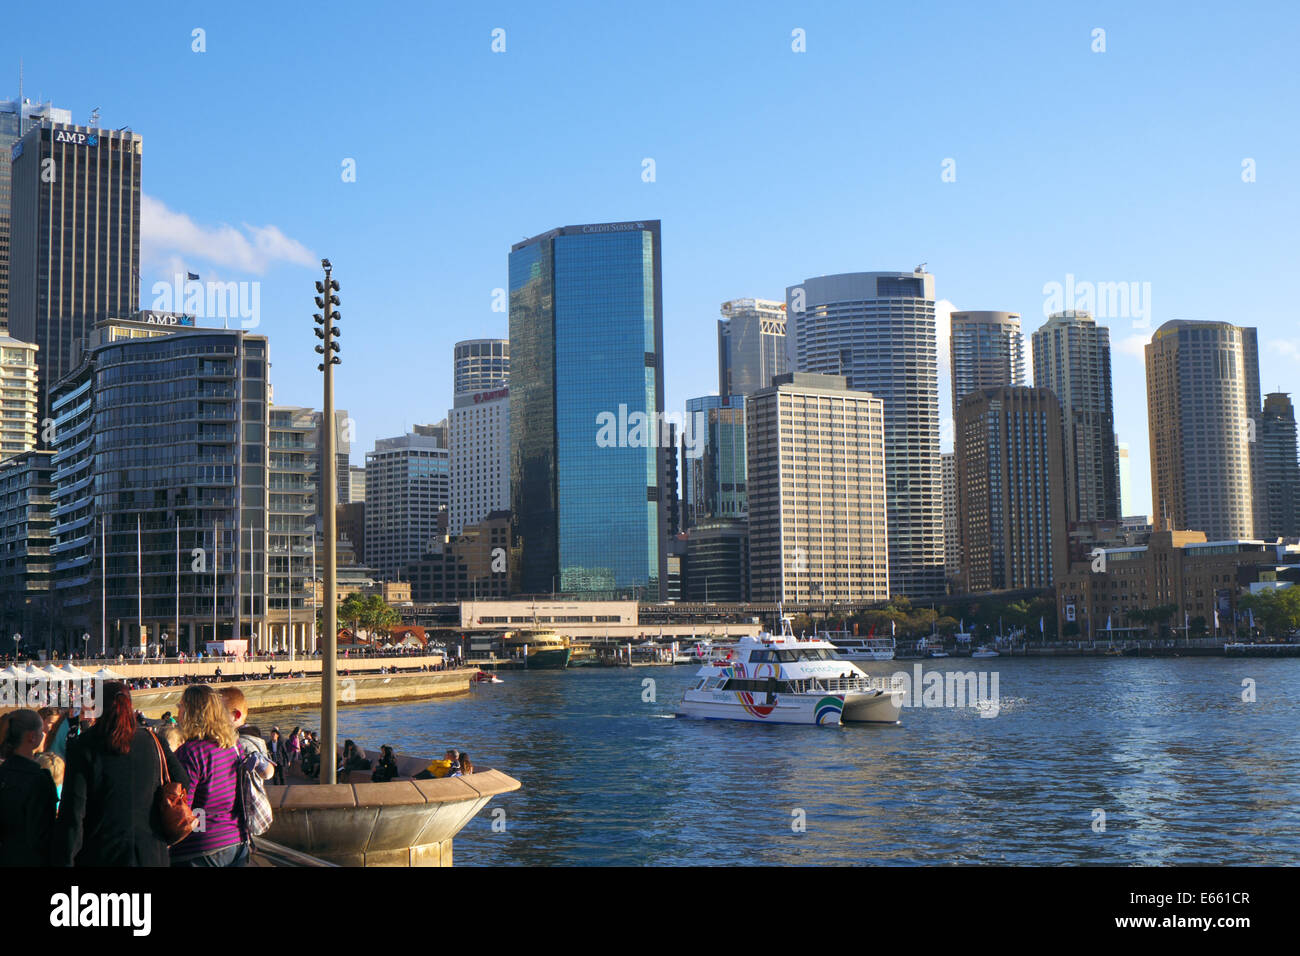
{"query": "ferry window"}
(759, 657)
(786, 657)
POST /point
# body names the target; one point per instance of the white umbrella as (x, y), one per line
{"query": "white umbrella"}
(34, 671)
(12, 673)
(72, 670)
(107, 674)
(55, 673)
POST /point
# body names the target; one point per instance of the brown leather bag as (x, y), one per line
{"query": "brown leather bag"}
(172, 814)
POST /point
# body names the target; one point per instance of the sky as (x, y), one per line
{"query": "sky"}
(1007, 145)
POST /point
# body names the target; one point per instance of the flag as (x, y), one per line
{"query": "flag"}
(191, 277)
(1216, 618)
(1251, 612)
(1108, 627)
(1041, 626)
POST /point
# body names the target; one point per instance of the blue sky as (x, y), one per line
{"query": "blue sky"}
(770, 165)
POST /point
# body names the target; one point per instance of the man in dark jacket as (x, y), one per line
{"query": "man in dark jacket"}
(27, 794)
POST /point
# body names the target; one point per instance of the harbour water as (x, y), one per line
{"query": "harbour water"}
(1184, 770)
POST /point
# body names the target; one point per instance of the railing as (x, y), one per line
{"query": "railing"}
(844, 685)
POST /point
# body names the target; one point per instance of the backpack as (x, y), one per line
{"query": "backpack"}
(255, 808)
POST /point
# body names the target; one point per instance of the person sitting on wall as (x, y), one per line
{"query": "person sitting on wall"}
(387, 769)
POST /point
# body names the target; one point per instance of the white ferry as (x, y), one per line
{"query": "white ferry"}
(869, 648)
(787, 680)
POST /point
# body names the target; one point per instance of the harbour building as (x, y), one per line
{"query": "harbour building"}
(877, 329)
(408, 490)
(1277, 474)
(292, 456)
(160, 489)
(588, 446)
(18, 396)
(25, 570)
(986, 350)
(818, 528)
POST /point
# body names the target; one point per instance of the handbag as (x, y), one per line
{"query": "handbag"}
(254, 806)
(172, 814)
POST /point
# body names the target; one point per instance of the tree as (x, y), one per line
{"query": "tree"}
(1276, 610)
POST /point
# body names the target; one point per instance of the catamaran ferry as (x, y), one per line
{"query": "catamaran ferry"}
(786, 680)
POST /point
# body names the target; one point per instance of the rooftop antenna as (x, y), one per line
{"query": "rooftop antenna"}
(921, 267)
(94, 117)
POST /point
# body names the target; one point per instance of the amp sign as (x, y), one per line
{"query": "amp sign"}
(74, 138)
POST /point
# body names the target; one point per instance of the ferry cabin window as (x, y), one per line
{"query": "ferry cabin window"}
(759, 686)
(760, 657)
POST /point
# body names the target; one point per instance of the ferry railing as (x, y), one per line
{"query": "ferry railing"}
(842, 685)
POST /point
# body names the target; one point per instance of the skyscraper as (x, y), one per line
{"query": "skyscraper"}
(1202, 398)
(818, 530)
(951, 522)
(751, 345)
(1072, 358)
(16, 118)
(292, 460)
(1126, 500)
(987, 351)
(713, 481)
(407, 485)
(480, 365)
(1277, 474)
(1010, 492)
(588, 466)
(74, 238)
(878, 330)
(343, 431)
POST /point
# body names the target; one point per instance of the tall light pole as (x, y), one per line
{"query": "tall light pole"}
(326, 331)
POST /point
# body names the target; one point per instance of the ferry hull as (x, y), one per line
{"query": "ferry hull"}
(879, 708)
(810, 710)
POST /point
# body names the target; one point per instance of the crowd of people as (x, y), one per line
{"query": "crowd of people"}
(77, 790)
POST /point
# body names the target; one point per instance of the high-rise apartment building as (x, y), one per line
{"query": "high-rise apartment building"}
(356, 484)
(160, 447)
(1126, 499)
(1277, 474)
(878, 330)
(1202, 400)
(751, 345)
(1010, 489)
(588, 455)
(407, 487)
(74, 238)
(18, 396)
(343, 434)
(1072, 358)
(16, 118)
(25, 565)
(986, 351)
(292, 457)
(480, 365)
(713, 472)
(818, 527)
(479, 435)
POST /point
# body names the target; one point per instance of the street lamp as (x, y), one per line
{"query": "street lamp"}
(17, 637)
(327, 331)
(162, 645)
(85, 641)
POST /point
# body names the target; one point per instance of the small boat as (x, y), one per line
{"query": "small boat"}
(984, 651)
(483, 677)
(931, 647)
(781, 679)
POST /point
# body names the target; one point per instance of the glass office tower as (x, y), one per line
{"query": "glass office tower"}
(713, 483)
(587, 453)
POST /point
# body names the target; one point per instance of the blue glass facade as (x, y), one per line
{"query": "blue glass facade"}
(713, 483)
(586, 337)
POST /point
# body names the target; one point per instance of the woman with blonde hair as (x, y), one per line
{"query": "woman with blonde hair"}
(210, 755)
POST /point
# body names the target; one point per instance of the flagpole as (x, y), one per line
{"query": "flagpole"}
(178, 581)
(139, 576)
(103, 590)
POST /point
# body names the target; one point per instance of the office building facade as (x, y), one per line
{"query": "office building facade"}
(160, 440)
(1011, 490)
(292, 457)
(818, 529)
(17, 116)
(713, 481)
(878, 330)
(1202, 400)
(588, 465)
(478, 430)
(1277, 474)
(480, 365)
(1072, 358)
(751, 345)
(951, 523)
(408, 491)
(986, 350)
(74, 229)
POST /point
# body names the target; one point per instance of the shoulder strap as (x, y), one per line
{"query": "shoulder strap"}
(162, 760)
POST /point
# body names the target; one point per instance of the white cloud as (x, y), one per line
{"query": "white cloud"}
(172, 237)
(1134, 345)
(1288, 347)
